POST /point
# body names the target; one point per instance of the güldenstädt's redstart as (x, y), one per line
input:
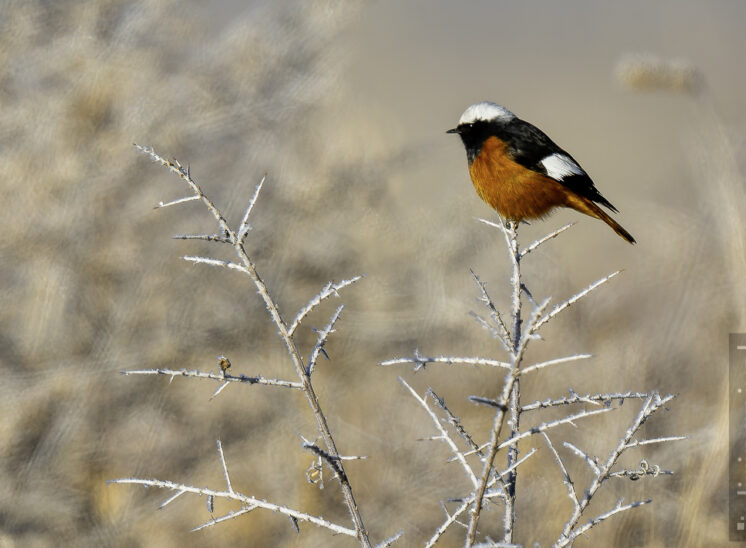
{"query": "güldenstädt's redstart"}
(522, 173)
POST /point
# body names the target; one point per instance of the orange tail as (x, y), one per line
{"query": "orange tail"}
(584, 205)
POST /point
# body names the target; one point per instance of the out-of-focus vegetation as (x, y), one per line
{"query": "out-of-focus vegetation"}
(361, 180)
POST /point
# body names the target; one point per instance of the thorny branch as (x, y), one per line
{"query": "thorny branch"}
(444, 436)
(515, 336)
(249, 502)
(245, 265)
(602, 472)
(221, 377)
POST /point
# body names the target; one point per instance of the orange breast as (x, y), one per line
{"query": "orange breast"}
(513, 190)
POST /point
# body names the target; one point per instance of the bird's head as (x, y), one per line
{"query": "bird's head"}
(478, 123)
(481, 115)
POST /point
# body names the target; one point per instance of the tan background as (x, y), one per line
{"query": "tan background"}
(345, 107)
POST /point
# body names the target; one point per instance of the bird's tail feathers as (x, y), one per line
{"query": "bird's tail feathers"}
(589, 208)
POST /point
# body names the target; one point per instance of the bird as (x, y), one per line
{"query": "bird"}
(520, 172)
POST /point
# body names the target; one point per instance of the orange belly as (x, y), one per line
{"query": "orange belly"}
(513, 190)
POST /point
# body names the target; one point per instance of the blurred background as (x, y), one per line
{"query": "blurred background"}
(345, 105)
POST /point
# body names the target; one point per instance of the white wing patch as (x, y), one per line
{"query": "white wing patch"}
(485, 111)
(559, 166)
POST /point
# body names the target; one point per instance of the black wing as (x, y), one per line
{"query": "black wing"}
(528, 146)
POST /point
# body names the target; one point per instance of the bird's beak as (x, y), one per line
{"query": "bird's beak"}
(454, 130)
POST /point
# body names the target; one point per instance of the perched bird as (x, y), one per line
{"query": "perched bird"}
(522, 173)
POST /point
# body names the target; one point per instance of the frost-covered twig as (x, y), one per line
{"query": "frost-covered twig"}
(513, 440)
(501, 332)
(206, 237)
(543, 427)
(636, 443)
(546, 238)
(221, 377)
(603, 471)
(170, 499)
(468, 501)
(456, 423)
(444, 436)
(390, 541)
(321, 341)
(221, 455)
(595, 399)
(244, 499)
(565, 475)
(176, 202)
(598, 519)
(246, 266)
(555, 361)
(590, 461)
(644, 470)
(244, 227)
(215, 262)
(226, 517)
(422, 361)
(575, 298)
(330, 290)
